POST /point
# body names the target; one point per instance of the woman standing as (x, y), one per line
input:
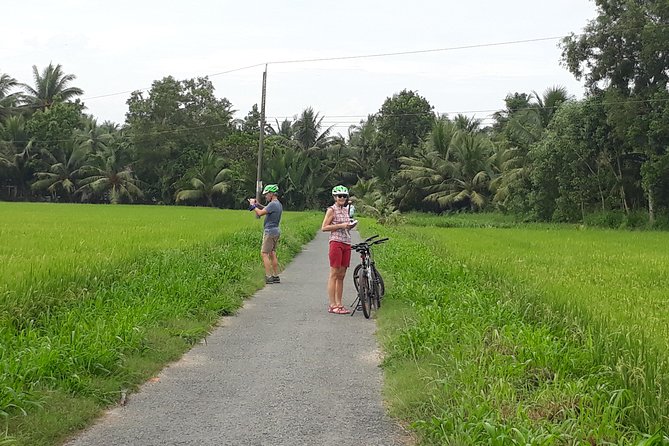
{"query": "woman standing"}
(338, 223)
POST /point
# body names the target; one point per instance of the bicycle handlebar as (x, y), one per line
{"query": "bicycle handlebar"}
(366, 244)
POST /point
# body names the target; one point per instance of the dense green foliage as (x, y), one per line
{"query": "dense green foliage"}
(622, 56)
(503, 335)
(94, 299)
(546, 157)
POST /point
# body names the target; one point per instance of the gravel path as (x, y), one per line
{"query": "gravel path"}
(281, 372)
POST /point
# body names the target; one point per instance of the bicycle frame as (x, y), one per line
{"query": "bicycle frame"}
(367, 271)
(368, 283)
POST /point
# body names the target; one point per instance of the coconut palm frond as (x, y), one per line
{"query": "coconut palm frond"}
(189, 195)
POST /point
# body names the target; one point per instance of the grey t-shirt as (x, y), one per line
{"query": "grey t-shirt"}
(273, 218)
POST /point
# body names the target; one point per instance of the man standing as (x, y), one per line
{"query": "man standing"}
(272, 212)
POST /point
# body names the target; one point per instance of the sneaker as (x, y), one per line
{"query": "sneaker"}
(276, 279)
(269, 279)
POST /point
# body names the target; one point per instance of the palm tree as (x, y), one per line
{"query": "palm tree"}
(364, 188)
(110, 177)
(51, 85)
(6, 84)
(461, 176)
(512, 166)
(471, 155)
(285, 129)
(379, 206)
(443, 131)
(430, 166)
(7, 100)
(307, 130)
(16, 153)
(525, 126)
(432, 172)
(363, 138)
(467, 124)
(110, 127)
(283, 133)
(64, 170)
(305, 176)
(514, 102)
(93, 137)
(548, 103)
(208, 179)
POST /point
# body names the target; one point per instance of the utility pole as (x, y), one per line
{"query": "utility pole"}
(262, 135)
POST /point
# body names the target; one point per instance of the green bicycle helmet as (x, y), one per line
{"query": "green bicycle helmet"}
(270, 188)
(339, 190)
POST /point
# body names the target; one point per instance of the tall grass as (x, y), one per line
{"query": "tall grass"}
(619, 275)
(463, 220)
(63, 243)
(614, 283)
(478, 351)
(90, 290)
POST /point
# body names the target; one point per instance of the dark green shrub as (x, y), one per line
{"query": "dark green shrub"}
(605, 219)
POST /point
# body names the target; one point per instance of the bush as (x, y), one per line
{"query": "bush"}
(605, 219)
(619, 220)
(661, 222)
(635, 220)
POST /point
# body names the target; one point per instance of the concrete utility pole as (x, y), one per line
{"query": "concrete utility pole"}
(262, 135)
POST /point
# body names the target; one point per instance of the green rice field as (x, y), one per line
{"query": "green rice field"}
(44, 240)
(510, 334)
(493, 332)
(94, 299)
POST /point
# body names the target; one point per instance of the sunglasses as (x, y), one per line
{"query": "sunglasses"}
(341, 196)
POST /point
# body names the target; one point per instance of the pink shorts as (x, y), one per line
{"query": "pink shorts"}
(340, 255)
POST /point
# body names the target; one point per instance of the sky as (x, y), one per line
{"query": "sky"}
(121, 46)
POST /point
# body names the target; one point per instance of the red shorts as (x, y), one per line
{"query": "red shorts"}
(340, 255)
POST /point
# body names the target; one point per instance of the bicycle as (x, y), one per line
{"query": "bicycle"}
(367, 279)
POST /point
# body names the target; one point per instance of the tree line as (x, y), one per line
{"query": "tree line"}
(546, 156)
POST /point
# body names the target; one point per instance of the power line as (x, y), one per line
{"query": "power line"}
(236, 69)
(376, 55)
(362, 56)
(146, 89)
(455, 48)
(390, 54)
(113, 94)
(432, 50)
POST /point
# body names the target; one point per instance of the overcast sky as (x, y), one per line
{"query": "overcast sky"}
(125, 45)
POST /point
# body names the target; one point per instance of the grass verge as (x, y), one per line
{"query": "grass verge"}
(473, 356)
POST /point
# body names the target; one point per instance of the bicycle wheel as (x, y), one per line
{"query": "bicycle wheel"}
(356, 276)
(364, 295)
(379, 279)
